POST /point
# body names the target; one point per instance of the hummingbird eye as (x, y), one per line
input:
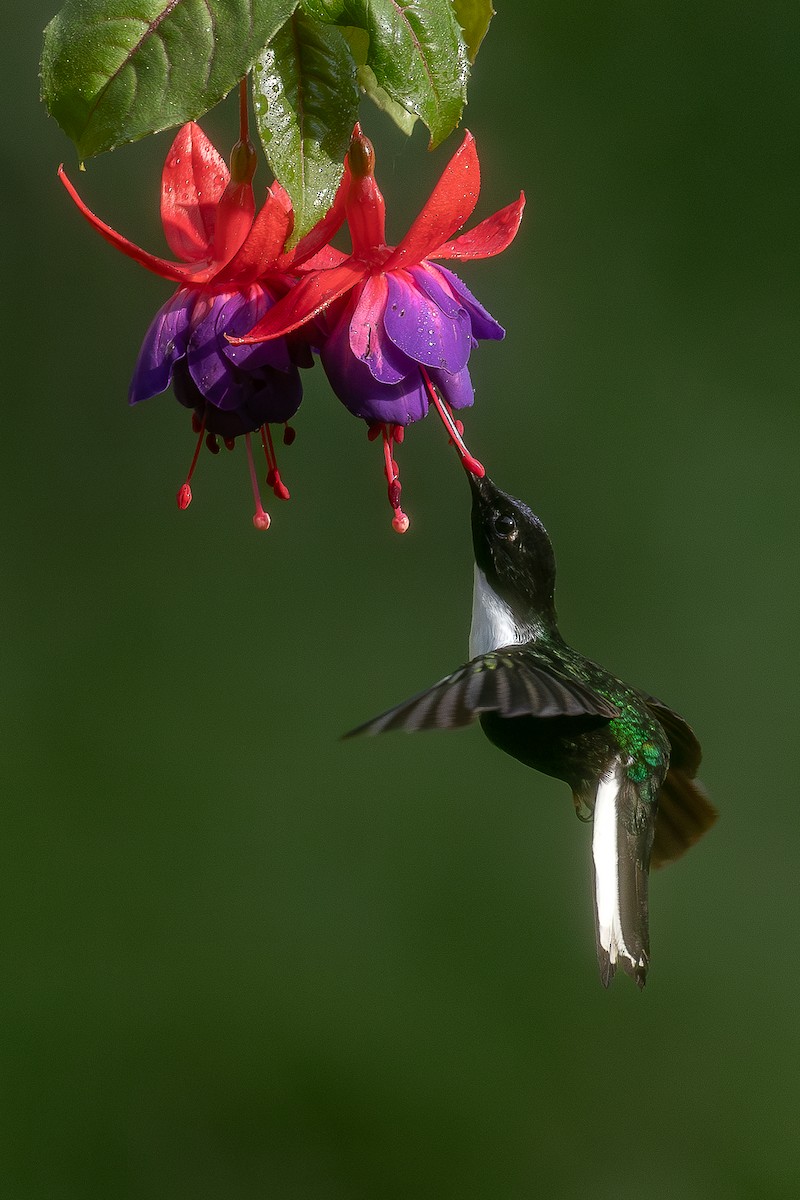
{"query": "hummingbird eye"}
(505, 526)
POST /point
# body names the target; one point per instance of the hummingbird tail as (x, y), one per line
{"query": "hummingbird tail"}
(684, 814)
(621, 840)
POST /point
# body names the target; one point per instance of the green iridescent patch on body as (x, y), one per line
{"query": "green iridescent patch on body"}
(640, 737)
(642, 740)
(634, 731)
(651, 753)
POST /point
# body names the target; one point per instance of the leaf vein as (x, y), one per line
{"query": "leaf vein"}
(301, 117)
(402, 11)
(149, 29)
(212, 18)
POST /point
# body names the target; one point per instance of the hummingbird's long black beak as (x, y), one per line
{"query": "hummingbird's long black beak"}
(484, 496)
(483, 491)
(481, 486)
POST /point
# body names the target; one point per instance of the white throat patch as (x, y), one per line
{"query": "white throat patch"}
(493, 623)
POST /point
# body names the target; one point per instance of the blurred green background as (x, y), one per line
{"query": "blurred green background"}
(243, 959)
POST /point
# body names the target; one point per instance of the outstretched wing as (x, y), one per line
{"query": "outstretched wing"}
(685, 750)
(509, 683)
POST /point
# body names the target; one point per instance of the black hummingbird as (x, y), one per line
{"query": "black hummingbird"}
(629, 759)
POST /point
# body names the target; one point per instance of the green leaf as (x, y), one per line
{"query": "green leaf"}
(416, 54)
(359, 44)
(116, 70)
(473, 17)
(306, 103)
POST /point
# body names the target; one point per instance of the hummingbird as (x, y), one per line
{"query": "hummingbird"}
(629, 759)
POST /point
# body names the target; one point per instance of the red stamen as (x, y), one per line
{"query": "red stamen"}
(289, 434)
(260, 517)
(279, 487)
(400, 521)
(212, 443)
(229, 443)
(184, 496)
(455, 430)
(267, 455)
(273, 474)
(374, 432)
(398, 434)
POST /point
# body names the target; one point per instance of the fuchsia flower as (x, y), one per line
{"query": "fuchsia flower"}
(396, 330)
(234, 269)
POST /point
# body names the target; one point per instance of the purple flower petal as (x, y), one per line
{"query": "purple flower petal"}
(185, 388)
(367, 336)
(267, 395)
(419, 328)
(455, 389)
(425, 277)
(351, 379)
(483, 323)
(213, 373)
(237, 317)
(164, 344)
(272, 396)
(299, 351)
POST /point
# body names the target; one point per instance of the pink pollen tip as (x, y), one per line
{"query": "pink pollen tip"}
(473, 466)
(184, 497)
(400, 522)
(261, 521)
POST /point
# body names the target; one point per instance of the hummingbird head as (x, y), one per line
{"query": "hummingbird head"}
(513, 551)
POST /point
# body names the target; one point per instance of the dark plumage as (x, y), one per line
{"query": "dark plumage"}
(628, 758)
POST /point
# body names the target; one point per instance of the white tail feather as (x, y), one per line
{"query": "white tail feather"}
(606, 857)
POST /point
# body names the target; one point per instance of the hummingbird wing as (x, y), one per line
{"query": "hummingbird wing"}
(684, 811)
(509, 683)
(685, 750)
